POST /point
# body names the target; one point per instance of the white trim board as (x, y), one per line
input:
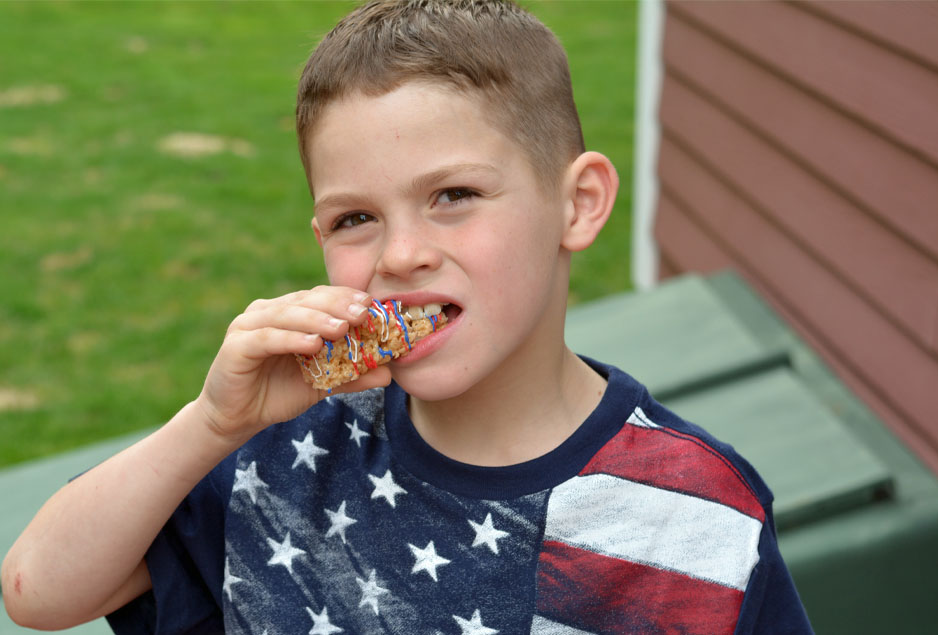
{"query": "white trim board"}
(649, 72)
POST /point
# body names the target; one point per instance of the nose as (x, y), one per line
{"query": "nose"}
(408, 251)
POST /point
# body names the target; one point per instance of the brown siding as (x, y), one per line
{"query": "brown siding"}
(800, 146)
(855, 74)
(908, 30)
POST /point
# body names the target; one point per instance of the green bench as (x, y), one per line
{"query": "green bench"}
(857, 514)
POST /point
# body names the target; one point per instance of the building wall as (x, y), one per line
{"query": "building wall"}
(799, 145)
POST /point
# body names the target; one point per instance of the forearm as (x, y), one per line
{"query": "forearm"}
(87, 541)
(82, 552)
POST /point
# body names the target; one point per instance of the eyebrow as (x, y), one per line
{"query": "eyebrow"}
(424, 181)
(341, 201)
(420, 182)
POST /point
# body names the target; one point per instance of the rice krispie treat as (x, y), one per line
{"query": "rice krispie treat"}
(388, 333)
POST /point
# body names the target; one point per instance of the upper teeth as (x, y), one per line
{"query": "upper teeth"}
(417, 312)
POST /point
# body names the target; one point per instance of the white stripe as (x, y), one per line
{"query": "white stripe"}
(544, 626)
(640, 419)
(619, 518)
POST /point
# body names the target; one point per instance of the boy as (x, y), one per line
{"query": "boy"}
(501, 484)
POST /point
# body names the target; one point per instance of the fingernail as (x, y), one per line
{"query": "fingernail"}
(356, 309)
(336, 322)
(360, 297)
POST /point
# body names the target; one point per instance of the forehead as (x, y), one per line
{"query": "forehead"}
(414, 128)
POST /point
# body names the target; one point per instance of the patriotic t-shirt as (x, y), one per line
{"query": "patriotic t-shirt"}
(345, 521)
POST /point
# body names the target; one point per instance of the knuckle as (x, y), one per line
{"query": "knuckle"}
(238, 322)
(256, 305)
(237, 338)
(235, 326)
(281, 314)
(321, 292)
(241, 323)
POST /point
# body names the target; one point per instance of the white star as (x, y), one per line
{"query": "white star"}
(339, 522)
(284, 553)
(248, 481)
(230, 580)
(427, 560)
(357, 433)
(370, 591)
(473, 626)
(386, 487)
(321, 623)
(307, 451)
(486, 534)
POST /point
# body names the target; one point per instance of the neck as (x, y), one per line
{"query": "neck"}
(523, 411)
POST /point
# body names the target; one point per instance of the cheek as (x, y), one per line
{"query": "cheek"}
(347, 267)
(527, 244)
(513, 260)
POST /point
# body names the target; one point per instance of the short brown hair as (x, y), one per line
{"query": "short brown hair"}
(490, 47)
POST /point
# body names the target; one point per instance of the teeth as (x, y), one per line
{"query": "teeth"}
(417, 312)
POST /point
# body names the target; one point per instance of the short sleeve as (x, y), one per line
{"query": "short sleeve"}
(771, 604)
(186, 565)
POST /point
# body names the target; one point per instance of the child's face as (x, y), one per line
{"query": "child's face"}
(419, 199)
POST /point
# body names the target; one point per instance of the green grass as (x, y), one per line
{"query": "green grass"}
(121, 266)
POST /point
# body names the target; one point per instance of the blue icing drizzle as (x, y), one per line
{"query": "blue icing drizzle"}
(400, 321)
(381, 308)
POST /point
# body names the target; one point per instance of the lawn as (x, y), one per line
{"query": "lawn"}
(150, 188)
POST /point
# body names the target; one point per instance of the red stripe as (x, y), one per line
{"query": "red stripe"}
(669, 460)
(607, 595)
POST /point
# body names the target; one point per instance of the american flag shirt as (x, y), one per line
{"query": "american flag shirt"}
(345, 521)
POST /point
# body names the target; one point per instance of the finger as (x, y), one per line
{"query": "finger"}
(292, 317)
(268, 342)
(323, 297)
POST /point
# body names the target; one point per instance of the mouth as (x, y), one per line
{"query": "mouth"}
(451, 311)
(434, 341)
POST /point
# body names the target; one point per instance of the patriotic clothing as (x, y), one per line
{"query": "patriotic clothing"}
(345, 521)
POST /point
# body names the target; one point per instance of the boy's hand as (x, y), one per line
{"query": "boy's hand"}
(255, 380)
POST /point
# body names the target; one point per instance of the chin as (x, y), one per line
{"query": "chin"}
(429, 385)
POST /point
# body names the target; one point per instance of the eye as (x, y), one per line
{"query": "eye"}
(454, 195)
(352, 219)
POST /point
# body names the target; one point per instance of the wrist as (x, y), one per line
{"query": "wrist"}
(198, 437)
(220, 428)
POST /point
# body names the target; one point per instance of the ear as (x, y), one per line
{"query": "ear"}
(317, 231)
(591, 185)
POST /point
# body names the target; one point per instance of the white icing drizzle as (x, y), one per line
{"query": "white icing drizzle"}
(382, 314)
(318, 372)
(354, 348)
(386, 328)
